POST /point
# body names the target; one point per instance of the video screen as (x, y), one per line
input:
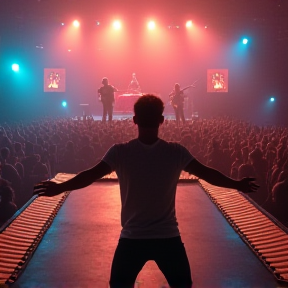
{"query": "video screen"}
(54, 80)
(217, 80)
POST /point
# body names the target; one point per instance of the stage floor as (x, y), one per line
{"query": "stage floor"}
(77, 249)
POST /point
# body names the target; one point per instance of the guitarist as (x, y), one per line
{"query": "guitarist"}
(177, 102)
(106, 96)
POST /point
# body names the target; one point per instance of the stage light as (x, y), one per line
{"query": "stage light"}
(15, 67)
(117, 25)
(151, 25)
(62, 24)
(272, 99)
(97, 23)
(76, 23)
(245, 41)
(189, 24)
(64, 104)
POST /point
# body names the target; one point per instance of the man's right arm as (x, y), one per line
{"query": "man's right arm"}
(81, 180)
(214, 177)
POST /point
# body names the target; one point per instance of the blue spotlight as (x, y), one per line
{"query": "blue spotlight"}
(245, 41)
(15, 67)
(64, 104)
(272, 99)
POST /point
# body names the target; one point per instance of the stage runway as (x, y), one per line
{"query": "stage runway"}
(77, 249)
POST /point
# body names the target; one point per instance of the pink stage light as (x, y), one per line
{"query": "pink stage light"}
(151, 25)
(189, 24)
(76, 23)
(117, 25)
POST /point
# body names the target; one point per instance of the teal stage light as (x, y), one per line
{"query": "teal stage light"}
(245, 41)
(15, 67)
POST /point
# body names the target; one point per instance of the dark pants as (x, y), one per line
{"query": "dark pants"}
(107, 109)
(132, 254)
(179, 114)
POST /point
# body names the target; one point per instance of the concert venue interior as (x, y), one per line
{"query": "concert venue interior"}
(229, 57)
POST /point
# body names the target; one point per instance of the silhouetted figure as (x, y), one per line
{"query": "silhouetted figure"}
(215, 157)
(134, 86)
(7, 204)
(67, 162)
(177, 102)
(40, 170)
(17, 165)
(280, 199)
(29, 161)
(9, 173)
(260, 166)
(19, 153)
(106, 93)
(148, 169)
(86, 152)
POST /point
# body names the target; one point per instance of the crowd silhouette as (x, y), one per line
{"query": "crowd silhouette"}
(38, 150)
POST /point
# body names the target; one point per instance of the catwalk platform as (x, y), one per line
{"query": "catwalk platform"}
(72, 237)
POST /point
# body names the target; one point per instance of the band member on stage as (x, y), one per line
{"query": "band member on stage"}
(106, 96)
(177, 102)
(134, 86)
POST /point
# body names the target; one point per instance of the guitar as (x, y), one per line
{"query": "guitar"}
(175, 102)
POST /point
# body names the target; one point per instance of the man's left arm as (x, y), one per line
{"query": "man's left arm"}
(214, 177)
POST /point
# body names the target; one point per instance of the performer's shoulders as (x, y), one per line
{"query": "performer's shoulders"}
(126, 144)
(173, 144)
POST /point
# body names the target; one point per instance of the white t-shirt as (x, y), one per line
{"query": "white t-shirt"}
(148, 176)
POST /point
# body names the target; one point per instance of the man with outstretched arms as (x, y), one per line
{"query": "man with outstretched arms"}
(148, 169)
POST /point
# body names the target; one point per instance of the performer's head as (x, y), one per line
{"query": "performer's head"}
(148, 111)
(105, 81)
(177, 87)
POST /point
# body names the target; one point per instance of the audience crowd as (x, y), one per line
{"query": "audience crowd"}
(36, 151)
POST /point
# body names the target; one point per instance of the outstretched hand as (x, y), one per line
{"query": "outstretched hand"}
(47, 188)
(248, 185)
